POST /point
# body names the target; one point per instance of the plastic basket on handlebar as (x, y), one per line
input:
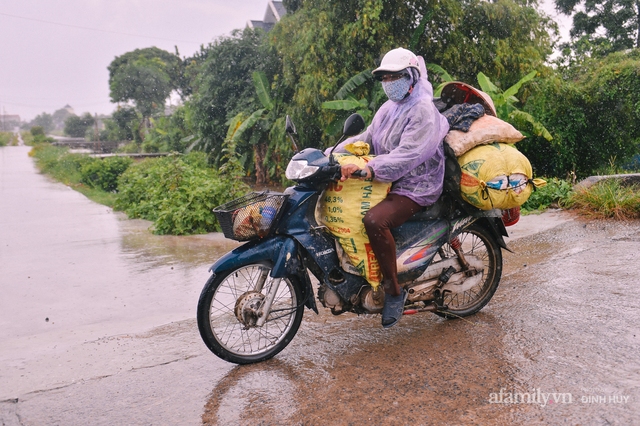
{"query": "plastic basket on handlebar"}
(251, 216)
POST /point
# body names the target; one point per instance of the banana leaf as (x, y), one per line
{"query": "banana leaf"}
(262, 88)
(247, 124)
(353, 83)
(342, 105)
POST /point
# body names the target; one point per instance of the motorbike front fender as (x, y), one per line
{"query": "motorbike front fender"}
(282, 252)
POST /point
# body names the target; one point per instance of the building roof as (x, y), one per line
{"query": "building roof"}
(275, 11)
(260, 24)
(278, 9)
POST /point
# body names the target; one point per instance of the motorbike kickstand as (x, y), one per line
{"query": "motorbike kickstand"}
(439, 300)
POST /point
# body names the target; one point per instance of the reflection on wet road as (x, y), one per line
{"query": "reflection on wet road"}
(557, 344)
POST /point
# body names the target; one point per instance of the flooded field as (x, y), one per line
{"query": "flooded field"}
(97, 324)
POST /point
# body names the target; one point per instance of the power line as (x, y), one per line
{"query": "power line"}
(96, 29)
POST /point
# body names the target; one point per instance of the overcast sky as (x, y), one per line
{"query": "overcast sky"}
(56, 52)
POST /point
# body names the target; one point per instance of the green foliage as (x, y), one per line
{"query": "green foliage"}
(5, 138)
(505, 101)
(104, 173)
(8, 138)
(44, 120)
(176, 193)
(592, 114)
(174, 133)
(601, 27)
(554, 193)
(66, 168)
(123, 124)
(608, 199)
(36, 136)
(346, 103)
(130, 148)
(258, 130)
(37, 131)
(145, 77)
(27, 138)
(144, 83)
(59, 163)
(224, 87)
(326, 43)
(76, 127)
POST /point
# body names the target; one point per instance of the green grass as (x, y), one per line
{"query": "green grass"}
(607, 199)
(27, 137)
(65, 167)
(6, 138)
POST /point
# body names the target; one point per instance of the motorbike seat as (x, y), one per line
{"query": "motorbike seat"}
(431, 212)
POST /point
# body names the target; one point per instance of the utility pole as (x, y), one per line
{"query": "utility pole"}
(97, 132)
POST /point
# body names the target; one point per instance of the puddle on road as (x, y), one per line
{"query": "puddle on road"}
(559, 337)
(161, 250)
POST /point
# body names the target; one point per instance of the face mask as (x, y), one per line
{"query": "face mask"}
(396, 90)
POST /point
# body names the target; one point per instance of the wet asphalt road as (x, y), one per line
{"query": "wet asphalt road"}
(97, 327)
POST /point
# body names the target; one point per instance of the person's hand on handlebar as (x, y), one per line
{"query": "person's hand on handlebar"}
(353, 171)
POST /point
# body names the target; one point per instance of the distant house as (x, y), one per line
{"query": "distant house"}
(68, 108)
(275, 11)
(9, 122)
(60, 115)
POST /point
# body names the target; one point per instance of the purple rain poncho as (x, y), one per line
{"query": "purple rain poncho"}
(406, 138)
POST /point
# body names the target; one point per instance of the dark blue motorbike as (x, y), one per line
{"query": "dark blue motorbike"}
(449, 260)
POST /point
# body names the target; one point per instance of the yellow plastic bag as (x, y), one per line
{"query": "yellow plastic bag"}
(342, 207)
(496, 176)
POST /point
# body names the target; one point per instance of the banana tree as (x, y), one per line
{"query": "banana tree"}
(505, 101)
(254, 127)
(263, 130)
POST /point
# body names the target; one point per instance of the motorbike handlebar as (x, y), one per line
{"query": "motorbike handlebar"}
(359, 173)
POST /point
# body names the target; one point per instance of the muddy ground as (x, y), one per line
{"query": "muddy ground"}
(97, 327)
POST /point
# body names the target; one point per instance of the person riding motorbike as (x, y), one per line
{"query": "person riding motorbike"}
(406, 137)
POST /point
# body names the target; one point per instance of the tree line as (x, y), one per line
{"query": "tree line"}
(236, 91)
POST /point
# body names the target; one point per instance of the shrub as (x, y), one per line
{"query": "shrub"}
(37, 131)
(176, 193)
(104, 173)
(130, 148)
(5, 138)
(59, 163)
(554, 193)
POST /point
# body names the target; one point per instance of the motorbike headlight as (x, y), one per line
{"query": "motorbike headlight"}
(299, 169)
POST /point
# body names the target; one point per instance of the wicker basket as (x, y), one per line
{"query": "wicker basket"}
(252, 216)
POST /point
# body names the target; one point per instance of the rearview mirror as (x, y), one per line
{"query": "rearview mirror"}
(353, 126)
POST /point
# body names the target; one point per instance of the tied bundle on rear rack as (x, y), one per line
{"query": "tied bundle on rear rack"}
(251, 216)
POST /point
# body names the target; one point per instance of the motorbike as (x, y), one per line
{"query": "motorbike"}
(251, 307)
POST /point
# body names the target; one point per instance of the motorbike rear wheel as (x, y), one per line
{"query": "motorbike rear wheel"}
(480, 243)
(227, 314)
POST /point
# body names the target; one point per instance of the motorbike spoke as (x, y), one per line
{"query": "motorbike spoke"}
(474, 247)
(231, 332)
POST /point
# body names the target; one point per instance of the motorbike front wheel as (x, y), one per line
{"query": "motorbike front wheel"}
(228, 310)
(480, 244)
